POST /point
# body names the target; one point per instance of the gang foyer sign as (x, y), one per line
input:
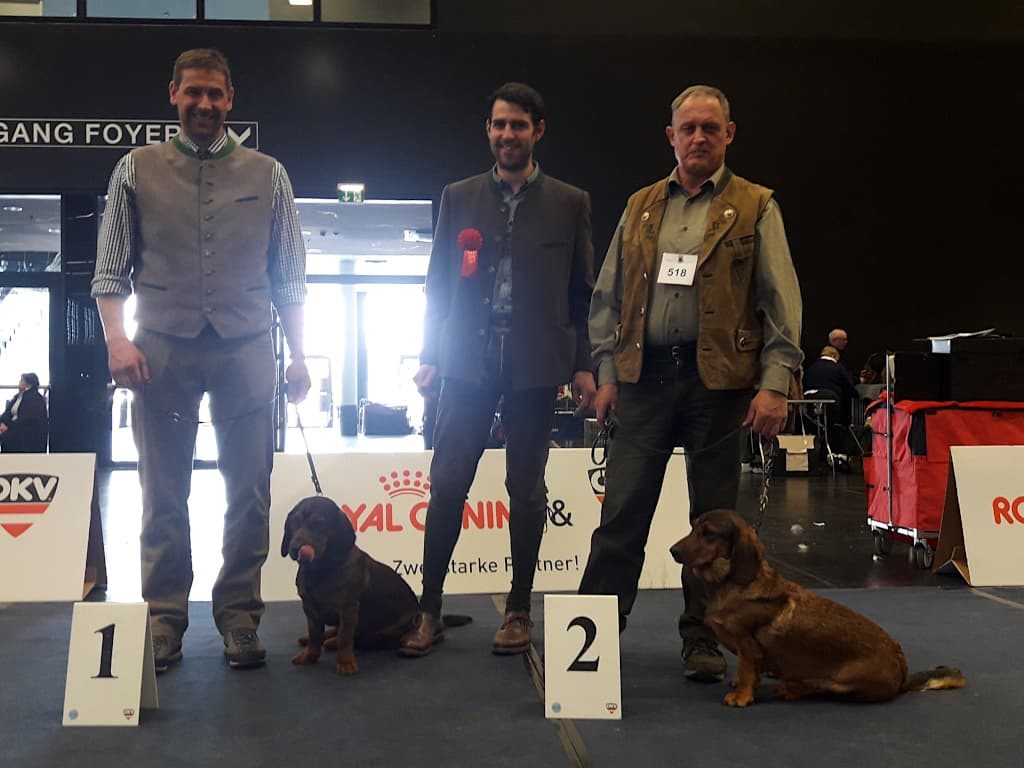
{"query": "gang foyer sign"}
(89, 133)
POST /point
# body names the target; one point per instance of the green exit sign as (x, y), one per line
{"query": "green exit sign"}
(351, 192)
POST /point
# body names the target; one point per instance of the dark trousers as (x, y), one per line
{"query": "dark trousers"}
(669, 406)
(465, 412)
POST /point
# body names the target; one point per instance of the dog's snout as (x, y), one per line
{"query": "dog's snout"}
(679, 549)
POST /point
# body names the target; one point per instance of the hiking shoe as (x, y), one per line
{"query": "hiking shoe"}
(702, 661)
(242, 649)
(166, 650)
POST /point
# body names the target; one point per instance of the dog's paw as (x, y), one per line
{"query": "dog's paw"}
(306, 657)
(738, 698)
(347, 666)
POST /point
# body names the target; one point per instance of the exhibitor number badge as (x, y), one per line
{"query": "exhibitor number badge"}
(677, 268)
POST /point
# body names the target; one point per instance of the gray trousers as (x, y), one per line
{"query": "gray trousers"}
(669, 406)
(240, 377)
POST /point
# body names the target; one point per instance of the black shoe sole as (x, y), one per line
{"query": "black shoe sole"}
(246, 663)
(509, 650)
(162, 666)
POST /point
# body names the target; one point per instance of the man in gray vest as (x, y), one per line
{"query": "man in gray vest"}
(206, 233)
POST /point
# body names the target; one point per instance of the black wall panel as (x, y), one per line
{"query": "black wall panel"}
(896, 162)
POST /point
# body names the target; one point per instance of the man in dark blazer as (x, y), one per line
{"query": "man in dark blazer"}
(828, 376)
(508, 290)
(24, 424)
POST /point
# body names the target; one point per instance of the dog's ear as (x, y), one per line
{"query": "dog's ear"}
(287, 538)
(344, 534)
(290, 524)
(747, 553)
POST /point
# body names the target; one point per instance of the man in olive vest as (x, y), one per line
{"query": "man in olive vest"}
(696, 305)
(205, 232)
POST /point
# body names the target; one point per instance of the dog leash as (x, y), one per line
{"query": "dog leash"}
(767, 460)
(604, 435)
(309, 456)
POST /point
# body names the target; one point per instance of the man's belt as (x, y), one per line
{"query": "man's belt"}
(677, 353)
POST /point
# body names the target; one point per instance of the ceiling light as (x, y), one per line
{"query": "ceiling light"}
(13, 208)
(300, 2)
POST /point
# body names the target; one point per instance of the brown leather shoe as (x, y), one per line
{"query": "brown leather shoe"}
(514, 635)
(427, 631)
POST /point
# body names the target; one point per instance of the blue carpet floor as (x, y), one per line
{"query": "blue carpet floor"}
(461, 706)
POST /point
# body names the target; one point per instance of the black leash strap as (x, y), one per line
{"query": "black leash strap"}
(309, 456)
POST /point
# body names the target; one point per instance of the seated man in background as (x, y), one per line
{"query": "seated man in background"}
(828, 378)
(24, 425)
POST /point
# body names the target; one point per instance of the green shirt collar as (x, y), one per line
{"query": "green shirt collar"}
(222, 147)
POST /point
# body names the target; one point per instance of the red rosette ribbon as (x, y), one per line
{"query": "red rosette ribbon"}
(470, 241)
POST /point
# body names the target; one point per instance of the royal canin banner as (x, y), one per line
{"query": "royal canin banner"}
(984, 515)
(386, 498)
(44, 525)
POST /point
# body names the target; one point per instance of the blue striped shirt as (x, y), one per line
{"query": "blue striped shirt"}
(117, 248)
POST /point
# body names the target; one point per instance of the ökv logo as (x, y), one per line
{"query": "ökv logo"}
(22, 498)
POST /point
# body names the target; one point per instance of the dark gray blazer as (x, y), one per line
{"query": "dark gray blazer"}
(552, 280)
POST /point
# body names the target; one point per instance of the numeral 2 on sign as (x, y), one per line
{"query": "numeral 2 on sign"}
(590, 630)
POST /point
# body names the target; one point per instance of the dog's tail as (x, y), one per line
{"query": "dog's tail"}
(937, 679)
(456, 620)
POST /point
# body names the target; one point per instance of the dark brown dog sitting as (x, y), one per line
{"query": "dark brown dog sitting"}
(777, 628)
(342, 586)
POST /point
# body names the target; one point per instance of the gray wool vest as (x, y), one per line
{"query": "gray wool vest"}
(203, 231)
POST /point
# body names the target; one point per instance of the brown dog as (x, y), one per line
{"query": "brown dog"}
(777, 628)
(340, 585)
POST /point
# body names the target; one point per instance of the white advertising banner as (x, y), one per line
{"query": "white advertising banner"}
(386, 496)
(45, 501)
(983, 522)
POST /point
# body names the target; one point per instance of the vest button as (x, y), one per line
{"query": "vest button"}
(641, 311)
(645, 275)
(638, 345)
(207, 217)
(209, 291)
(209, 310)
(208, 200)
(209, 272)
(208, 235)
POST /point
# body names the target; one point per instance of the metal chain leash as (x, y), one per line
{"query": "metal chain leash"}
(767, 460)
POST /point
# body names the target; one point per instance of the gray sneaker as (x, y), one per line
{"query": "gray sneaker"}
(166, 650)
(702, 661)
(242, 648)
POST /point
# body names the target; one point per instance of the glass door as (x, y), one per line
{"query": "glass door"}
(29, 269)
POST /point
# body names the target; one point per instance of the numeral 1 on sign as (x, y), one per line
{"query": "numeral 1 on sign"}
(590, 630)
(106, 651)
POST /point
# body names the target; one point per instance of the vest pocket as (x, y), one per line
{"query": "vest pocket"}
(749, 340)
